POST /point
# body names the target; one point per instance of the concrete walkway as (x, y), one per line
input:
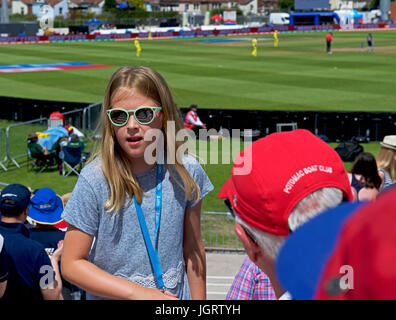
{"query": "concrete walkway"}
(220, 271)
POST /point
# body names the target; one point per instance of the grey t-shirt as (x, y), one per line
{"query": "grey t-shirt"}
(119, 246)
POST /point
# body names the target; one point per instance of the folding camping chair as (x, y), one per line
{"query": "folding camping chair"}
(41, 164)
(71, 160)
(40, 161)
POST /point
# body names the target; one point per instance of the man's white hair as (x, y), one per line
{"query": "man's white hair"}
(310, 206)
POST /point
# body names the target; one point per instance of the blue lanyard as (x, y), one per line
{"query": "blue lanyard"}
(152, 251)
(158, 202)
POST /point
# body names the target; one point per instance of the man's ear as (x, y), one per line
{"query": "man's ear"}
(252, 249)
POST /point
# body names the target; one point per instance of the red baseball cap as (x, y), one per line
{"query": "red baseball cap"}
(284, 168)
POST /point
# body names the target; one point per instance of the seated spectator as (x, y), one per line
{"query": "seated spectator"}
(57, 148)
(73, 154)
(364, 178)
(293, 177)
(386, 161)
(63, 142)
(75, 142)
(39, 152)
(347, 253)
(3, 268)
(192, 120)
(32, 274)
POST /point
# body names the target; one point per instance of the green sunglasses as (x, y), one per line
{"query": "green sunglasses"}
(143, 115)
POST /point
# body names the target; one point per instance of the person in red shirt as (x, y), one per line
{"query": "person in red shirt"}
(192, 121)
(329, 37)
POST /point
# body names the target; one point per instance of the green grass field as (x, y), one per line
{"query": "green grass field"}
(298, 75)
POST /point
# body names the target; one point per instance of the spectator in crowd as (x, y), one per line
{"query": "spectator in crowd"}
(39, 152)
(121, 190)
(364, 178)
(386, 161)
(75, 142)
(3, 267)
(65, 198)
(63, 141)
(32, 274)
(347, 253)
(293, 176)
(329, 38)
(192, 120)
(74, 154)
(250, 283)
(57, 148)
(45, 210)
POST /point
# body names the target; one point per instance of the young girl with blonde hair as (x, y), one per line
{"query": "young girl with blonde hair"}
(134, 226)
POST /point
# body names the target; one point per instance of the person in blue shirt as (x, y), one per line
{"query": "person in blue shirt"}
(32, 274)
(45, 211)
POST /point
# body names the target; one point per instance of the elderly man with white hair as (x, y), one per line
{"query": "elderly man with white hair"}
(294, 176)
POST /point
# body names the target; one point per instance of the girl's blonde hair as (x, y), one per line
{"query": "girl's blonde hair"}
(116, 165)
(386, 160)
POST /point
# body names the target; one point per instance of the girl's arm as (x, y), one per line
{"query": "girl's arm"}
(78, 270)
(194, 252)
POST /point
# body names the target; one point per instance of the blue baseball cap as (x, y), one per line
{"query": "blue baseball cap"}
(46, 207)
(15, 196)
(301, 260)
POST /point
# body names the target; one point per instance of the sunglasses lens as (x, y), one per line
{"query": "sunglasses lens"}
(144, 115)
(119, 116)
